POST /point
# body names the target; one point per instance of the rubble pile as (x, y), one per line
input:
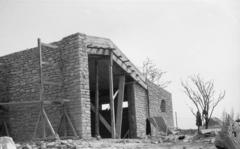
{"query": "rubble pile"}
(178, 140)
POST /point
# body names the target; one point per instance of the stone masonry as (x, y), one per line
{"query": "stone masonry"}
(68, 66)
(156, 95)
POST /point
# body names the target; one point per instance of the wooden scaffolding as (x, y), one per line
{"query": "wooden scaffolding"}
(43, 120)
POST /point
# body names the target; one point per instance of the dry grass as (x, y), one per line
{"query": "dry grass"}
(229, 136)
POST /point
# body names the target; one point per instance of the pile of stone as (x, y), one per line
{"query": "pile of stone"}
(8, 143)
(58, 144)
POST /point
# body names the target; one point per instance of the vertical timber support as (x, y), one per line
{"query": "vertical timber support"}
(96, 100)
(42, 115)
(130, 91)
(113, 130)
(119, 106)
(40, 68)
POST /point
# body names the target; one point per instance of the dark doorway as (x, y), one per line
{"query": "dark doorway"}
(104, 108)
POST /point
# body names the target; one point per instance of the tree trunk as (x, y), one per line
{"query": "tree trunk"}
(206, 123)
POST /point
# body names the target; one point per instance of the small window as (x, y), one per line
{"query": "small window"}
(163, 106)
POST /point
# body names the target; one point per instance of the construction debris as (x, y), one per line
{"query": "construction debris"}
(7, 143)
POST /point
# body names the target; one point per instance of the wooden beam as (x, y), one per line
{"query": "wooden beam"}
(33, 102)
(126, 66)
(130, 91)
(65, 126)
(125, 135)
(48, 122)
(44, 128)
(37, 124)
(40, 69)
(62, 123)
(125, 61)
(113, 128)
(115, 95)
(119, 106)
(67, 118)
(102, 119)
(96, 100)
(16, 103)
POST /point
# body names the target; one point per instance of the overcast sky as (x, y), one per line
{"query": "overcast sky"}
(183, 37)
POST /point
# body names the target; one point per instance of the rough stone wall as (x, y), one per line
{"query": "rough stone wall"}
(3, 83)
(76, 82)
(141, 109)
(68, 66)
(156, 95)
(23, 85)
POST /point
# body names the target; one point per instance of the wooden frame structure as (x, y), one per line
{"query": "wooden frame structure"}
(116, 121)
(107, 48)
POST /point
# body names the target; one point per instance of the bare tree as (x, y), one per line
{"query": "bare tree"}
(153, 73)
(202, 95)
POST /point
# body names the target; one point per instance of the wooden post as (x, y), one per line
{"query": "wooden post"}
(130, 91)
(102, 119)
(96, 101)
(119, 106)
(44, 128)
(40, 68)
(111, 95)
(67, 118)
(37, 124)
(48, 122)
(176, 120)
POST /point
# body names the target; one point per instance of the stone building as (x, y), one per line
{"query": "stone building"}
(74, 64)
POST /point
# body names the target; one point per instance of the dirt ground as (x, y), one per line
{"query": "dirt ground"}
(118, 144)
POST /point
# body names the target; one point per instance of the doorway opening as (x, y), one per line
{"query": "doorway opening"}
(104, 101)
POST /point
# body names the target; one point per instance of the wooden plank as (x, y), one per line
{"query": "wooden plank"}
(96, 100)
(44, 128)
(49, 45)
(126, 66)
(65, 126)
(48, 122)
(6, 128)
(115, 95)
(37, 124)
(113, 130)
(70, 123)
(125, 61)
(119, 106)
(125, 135)
(102, 119)
(61, 123)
